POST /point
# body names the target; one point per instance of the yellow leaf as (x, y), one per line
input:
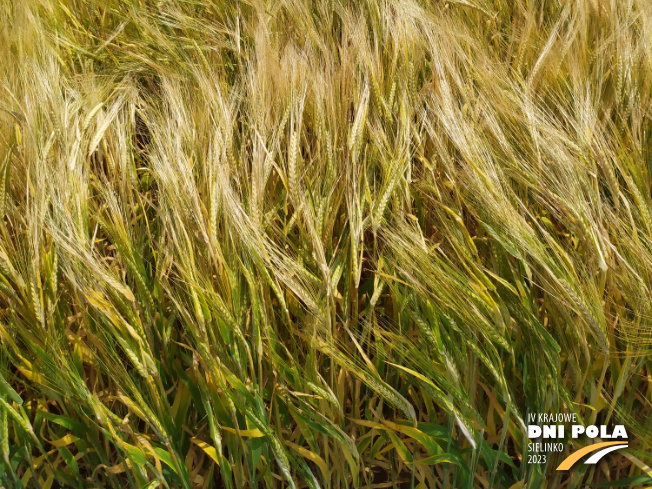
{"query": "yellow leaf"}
(33, 376)
(208, 450)
(639, 463)
(369, 424)
(48, 482)
(131, 405)
(417, 375)
(310, 456)
(66, 440)
(114, 469)
(255, 433)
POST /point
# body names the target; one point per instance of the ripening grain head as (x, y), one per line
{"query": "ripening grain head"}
(321, 244)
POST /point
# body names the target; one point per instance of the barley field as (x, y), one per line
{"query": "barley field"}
(323, 244)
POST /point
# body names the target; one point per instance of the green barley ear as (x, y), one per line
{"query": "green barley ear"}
(293, 171)
(4, 432)
(4, 183)
(358, 127)
(19, 418)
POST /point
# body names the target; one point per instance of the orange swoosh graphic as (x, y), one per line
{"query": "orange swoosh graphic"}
(575, 456)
